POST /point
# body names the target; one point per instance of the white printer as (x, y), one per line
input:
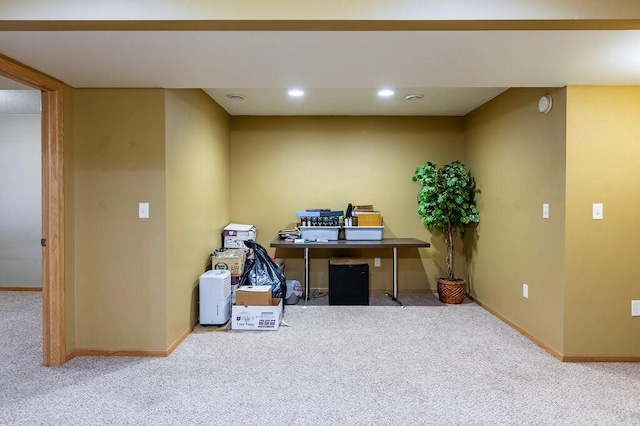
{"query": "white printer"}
(215, 297)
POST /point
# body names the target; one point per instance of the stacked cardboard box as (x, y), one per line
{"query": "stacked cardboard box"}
(369, 219)
(366, 216)
(255, 309)
(232, 260)
(235, 234)
(254, 295)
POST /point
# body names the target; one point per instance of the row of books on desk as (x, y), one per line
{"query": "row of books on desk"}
(320, 217)
(356, 216)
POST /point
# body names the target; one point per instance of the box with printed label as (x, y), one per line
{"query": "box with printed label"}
(257, 317)
(232, 260)
(254, 295)
(235, 234)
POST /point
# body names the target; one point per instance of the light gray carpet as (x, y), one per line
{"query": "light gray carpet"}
(337, 365)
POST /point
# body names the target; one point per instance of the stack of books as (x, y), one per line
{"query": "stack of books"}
(367, 216)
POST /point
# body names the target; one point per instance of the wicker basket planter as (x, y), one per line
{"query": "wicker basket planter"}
(452, 292)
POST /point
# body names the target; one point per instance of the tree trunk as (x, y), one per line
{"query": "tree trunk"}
(448, 235)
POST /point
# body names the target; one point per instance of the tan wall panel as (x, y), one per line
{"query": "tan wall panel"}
(283, 164)
(198, 198)
(69, 219)
(603, 166)
(518, 158)
(119, 273)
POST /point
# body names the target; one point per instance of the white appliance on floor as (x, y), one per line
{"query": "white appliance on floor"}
(215, 297)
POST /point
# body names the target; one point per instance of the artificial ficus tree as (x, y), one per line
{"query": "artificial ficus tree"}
(446, 202)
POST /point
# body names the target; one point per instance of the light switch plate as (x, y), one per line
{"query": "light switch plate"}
(525, 291)
(143, 210)
(545, 211)
(635, 308)
(598, 213)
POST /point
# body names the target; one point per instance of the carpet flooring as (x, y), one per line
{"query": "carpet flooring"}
(333, 365)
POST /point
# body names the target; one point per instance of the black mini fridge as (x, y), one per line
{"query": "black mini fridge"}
(348, 281)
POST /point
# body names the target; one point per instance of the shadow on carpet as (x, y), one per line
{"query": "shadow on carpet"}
(319, 298)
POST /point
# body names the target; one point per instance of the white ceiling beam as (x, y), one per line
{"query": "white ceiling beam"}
(360, 10)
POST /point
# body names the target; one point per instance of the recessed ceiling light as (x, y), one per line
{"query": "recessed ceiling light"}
(296, 93)
(413, 97)
(385, 92)
(235, 96)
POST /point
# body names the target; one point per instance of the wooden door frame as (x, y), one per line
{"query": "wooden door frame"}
(53, 284)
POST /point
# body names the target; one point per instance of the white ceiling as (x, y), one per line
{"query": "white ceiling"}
(341, 71)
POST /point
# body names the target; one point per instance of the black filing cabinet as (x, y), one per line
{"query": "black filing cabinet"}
(348, 281)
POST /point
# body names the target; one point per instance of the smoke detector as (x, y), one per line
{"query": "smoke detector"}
(545, 103)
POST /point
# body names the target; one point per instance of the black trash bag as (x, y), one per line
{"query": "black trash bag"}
(262, 270)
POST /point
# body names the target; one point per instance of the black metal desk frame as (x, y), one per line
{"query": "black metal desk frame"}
(393, 243)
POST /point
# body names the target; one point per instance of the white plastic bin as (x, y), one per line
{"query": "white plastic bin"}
(367, 233)
(313, 233)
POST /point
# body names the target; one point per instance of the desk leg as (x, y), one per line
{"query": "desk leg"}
(306, 276)
(394, 296)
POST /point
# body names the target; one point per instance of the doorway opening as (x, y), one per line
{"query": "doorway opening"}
(53, 285)
(21, 188)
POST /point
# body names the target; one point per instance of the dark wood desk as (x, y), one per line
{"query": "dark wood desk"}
(392, 243)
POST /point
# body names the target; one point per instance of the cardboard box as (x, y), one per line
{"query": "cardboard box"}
(257, 317)
(231, 260)
(254, 295)
(234, 235)
(369, 219)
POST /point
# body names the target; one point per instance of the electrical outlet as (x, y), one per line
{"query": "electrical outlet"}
(635, 308)
(525, 291)
(598, 211)
(545, 211)
(143, 210)
(376, 262)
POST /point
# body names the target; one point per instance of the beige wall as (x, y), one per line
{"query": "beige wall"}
(283, 164)
(197, 198)
(149, 145)
(69, 219)
(120, 296)
(135, 279)
(518, 158)
(603, 166)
